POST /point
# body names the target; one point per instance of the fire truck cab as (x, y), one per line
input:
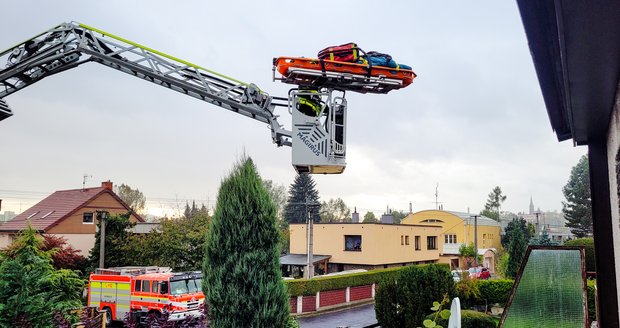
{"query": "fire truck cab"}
(145, 291)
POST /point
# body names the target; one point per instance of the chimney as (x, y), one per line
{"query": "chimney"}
(0, 204)
(410, 208)
(107, 185)
(387, 218)
(355, 217)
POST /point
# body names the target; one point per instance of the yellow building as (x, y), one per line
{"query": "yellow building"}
(351, 246)
(457, 228)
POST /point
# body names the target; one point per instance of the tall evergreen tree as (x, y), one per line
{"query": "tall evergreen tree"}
(302, 190)
(578, 206)
(516, 223)
(516, 252)
(243, 283)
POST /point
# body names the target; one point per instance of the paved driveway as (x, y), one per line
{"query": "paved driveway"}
(357, 317)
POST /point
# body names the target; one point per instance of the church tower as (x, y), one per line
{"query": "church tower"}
(531, 206)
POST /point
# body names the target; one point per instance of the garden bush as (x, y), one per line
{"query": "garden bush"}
(468, 292)
(469, 319)
(495, 290)
(402, 300)
(591, 300)
(588, 243)
(488, 292)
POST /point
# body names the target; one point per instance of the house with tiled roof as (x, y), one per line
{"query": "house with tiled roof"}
(71, 214)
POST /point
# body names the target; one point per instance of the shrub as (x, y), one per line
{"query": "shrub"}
(495, 290)
(402, 301)
(470, 319)
(591, 300)
(468, 292)
(588, 243)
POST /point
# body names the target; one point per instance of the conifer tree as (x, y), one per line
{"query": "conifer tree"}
(32, 292)
(516, 252)
(578, 206)
(242, 278)
(302, 191)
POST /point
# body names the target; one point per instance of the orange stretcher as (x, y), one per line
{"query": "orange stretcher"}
(361, 78)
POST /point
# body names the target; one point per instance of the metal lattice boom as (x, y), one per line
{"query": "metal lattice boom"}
(72, 44)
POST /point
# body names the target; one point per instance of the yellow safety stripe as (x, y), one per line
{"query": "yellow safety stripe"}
(95, 284)
(159, 53)
(136, 298)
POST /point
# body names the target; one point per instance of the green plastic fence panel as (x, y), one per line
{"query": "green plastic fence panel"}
(550, 291)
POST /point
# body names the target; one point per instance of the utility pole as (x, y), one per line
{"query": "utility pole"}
(102, 215)
(309, 272)
(475, 239)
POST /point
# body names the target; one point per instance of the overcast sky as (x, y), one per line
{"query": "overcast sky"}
(473, 119)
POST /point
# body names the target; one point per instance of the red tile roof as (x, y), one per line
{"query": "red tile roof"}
(57, 206)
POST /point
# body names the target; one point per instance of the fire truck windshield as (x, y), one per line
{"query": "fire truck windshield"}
(185, 286)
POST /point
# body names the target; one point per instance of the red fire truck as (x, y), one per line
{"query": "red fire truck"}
(145, 291)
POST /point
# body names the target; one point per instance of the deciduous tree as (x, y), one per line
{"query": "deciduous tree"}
(578, 206)
(133, 197)
(335, 210)
(370, 217)
(301, 192)
(278, 195)
(117, 244)
(243, 283)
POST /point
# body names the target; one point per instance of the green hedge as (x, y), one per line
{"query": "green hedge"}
(588, 243)
(495, 290)
(310, 287)
(404, 300)
(469, 319)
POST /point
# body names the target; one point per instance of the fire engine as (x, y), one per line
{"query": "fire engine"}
(145, 291)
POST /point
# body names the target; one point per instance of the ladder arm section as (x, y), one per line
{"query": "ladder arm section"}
(71, 44)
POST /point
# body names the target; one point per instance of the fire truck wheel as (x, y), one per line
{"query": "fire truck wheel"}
(108, 316)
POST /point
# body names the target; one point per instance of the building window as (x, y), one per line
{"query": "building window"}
(406, 240)
(87, 218)
(431, 242)
(353, 243)
(450, 239)
(402, 239)
(417, 243)
(432, 221)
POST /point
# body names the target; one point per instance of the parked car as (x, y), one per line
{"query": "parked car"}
(457, 274)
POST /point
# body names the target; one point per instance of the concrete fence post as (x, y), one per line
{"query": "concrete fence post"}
(348, 295)
(318, 300)
(300, 303)
(374, 286)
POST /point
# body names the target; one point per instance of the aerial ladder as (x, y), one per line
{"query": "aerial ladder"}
(318, 141)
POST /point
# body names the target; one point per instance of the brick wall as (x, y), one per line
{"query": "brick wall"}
(309, 304)
(361, 292)
(332, 297)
